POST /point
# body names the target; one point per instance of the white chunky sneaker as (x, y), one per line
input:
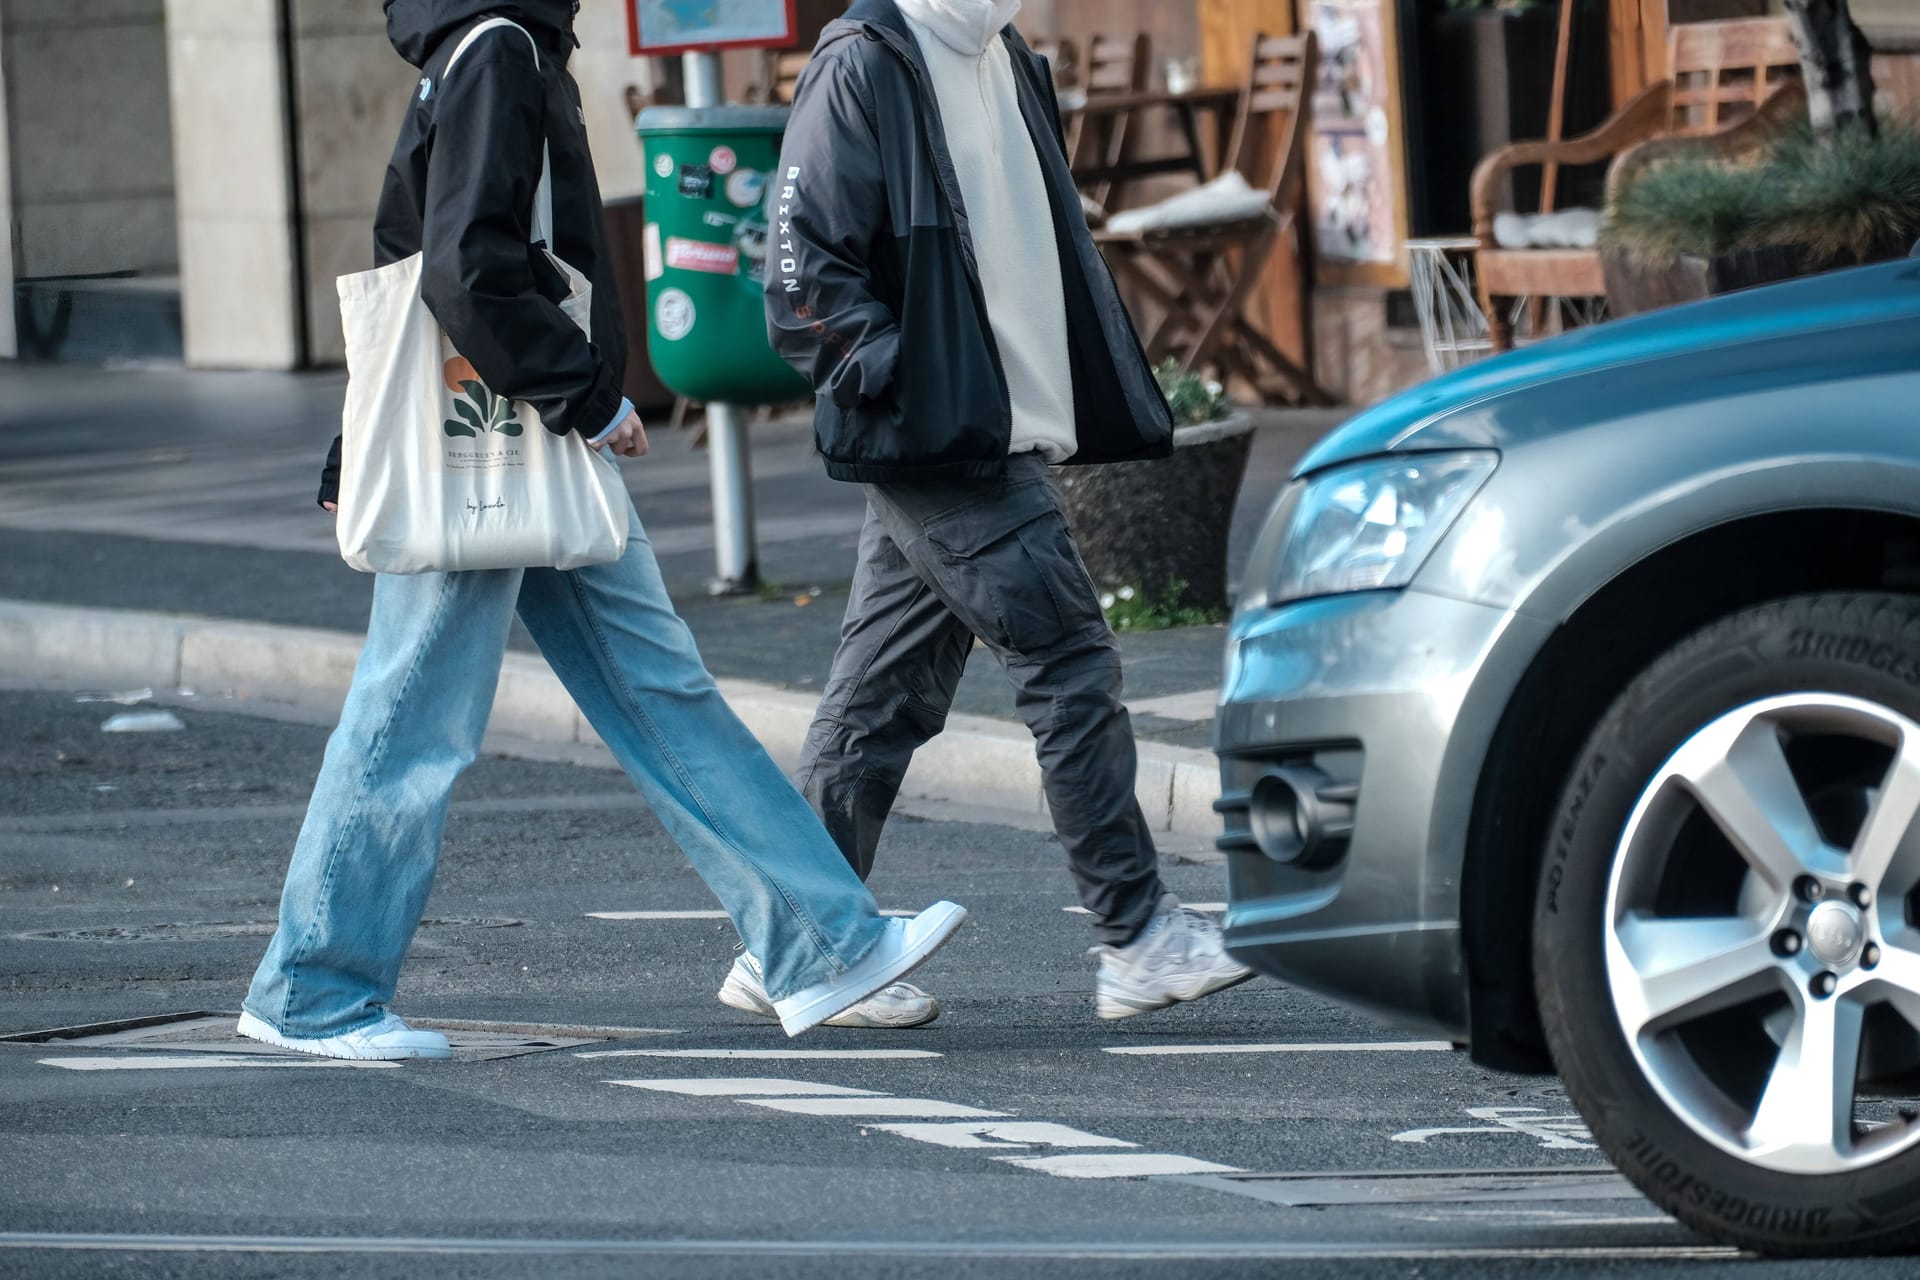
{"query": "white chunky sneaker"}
(1178, 956)
(899, 1005)
(385, 1041)
(904, 946)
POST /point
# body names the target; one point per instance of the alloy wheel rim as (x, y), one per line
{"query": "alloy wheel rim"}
(1762, 954)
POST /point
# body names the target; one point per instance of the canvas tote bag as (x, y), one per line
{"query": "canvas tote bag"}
(437, 472)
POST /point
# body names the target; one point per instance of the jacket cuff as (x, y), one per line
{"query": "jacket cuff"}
(619, 416)
(330, 476)
(595, 411)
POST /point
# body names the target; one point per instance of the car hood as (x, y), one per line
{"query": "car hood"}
(1565, 383)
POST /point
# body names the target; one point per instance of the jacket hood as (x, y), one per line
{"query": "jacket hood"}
(417, 27)
(967, 26)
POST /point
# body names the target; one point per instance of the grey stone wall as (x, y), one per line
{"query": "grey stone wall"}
(91, 149)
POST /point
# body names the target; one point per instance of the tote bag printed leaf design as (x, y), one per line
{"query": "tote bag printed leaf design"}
(480, 411)
(438, 472)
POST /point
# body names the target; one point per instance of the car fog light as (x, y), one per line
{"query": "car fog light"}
(1300, 816)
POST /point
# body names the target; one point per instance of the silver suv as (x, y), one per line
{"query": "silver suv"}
(1572, 711)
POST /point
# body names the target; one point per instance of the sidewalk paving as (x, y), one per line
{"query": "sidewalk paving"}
(164, 491)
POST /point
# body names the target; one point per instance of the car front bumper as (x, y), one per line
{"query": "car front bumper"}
(1391, 698)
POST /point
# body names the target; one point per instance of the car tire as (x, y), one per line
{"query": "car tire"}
(1665, 1103)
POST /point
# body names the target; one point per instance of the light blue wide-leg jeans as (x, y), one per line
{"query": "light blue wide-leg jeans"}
(421, 695)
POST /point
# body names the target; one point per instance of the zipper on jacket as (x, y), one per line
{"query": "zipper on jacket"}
(962, 227)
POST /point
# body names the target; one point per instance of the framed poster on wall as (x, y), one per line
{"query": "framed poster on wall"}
(659, 27)
(1357, 168)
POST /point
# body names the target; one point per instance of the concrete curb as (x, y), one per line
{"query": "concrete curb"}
(302, 674)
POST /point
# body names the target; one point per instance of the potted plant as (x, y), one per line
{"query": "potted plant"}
(1154, 534)
(1694, 226)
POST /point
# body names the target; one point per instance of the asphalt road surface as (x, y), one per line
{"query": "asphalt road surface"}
(605, 1116)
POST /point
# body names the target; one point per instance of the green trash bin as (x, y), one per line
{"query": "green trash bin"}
(710, 172)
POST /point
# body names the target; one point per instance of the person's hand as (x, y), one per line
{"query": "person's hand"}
(332, 508)
(629, 439)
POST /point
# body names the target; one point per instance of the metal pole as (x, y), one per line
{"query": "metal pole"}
(733, 544)
(737, 568)
(700, 73)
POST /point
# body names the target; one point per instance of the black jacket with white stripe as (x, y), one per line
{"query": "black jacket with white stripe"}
(872, 289)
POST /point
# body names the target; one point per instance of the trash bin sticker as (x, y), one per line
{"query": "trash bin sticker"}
(663, 165)
(656, 261)
(722, 160)
(702, 255)
(746, 187)
(696, 181)
(673, 315)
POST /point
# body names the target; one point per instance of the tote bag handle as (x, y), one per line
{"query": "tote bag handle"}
(542, 230)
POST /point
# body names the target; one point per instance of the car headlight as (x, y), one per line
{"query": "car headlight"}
(1371, 525)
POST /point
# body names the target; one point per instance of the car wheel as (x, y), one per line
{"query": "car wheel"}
(1725, 937)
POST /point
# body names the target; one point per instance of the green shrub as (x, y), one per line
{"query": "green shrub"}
(1841, 199)
(1131, 609)
(1194, 399)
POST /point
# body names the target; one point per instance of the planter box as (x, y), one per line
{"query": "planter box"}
(1635, 285)
(1149, 524)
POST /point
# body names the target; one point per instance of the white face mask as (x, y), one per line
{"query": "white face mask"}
(967, 25)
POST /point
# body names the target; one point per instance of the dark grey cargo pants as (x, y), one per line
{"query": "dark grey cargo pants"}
(941, 563)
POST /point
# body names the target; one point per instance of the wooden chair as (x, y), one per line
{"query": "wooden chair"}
(1114, 65)
(1201, 276)
(1731, 86)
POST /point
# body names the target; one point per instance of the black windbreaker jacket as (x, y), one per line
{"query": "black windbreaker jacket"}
(872, 289)
(460, 188)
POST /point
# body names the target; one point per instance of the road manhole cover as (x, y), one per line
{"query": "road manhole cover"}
(218, 930)
(212, 1033)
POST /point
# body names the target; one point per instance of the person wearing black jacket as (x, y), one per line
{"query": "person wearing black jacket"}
(460, 189)
(932, 273)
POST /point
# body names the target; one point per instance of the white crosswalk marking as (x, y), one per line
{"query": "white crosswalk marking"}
(198, 1061)
(1127, 1165)
(1000, 1134)
(1383, 1046)
(1214, 908)
(702, 914)
(997, 1133)
(768, 1055)
(929, 1108)
(746, 1086)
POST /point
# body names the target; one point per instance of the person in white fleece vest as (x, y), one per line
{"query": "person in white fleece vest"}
(933, 275)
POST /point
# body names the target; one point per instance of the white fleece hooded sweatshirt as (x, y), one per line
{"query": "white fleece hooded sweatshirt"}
(1008, 213)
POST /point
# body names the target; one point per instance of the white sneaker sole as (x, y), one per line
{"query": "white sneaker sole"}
(898, 1020)
(736, 994)
(929, 931)
(1113, 1001)
(332, 1046)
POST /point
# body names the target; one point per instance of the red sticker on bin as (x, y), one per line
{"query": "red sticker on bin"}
(699, 255)
(723, 160)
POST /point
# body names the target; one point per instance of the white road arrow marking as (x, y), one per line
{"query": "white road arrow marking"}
(1555, 1133)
